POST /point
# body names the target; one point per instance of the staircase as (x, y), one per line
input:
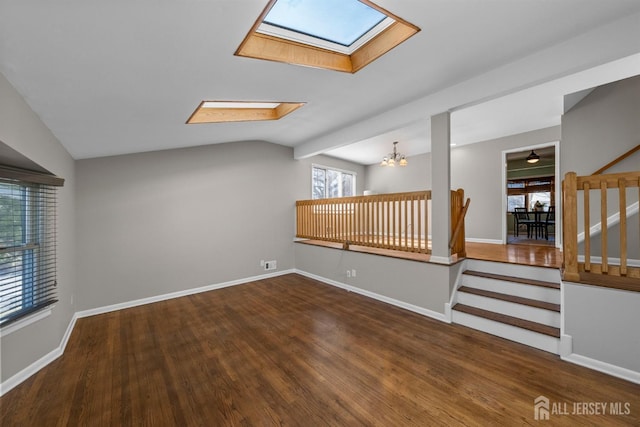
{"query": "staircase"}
(517, 302)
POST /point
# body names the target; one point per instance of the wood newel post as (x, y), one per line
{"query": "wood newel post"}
(570, 227)
(458, 210)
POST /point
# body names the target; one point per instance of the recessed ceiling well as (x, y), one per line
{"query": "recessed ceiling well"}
(238, 111)
(341, 35)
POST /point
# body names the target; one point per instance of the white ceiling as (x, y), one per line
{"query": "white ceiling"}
(115, 77)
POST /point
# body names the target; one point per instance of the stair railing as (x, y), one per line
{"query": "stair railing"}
(396, 221)
(617, 160)
(577, 199)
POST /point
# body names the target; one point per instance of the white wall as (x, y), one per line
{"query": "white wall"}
(22, 130)
(169, 221)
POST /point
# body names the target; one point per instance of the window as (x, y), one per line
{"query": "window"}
(524, 193)
(341, 35)
(328, 183)
(340, 22)
(27, 248)
(515, 202)
(544, 197)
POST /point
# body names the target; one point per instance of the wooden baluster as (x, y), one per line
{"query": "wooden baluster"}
(358, 225)
(388, 222)
(302, 219)
(406, 224)
(311, 225)
(392, 226)
(587, 228)
(298, 219)
(379, 208)
(413, 247)
(623, 225)
(426, 223)
(420, 224)
(324, 220)
(604, 226)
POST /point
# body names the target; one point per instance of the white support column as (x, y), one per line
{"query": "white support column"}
(440, 188)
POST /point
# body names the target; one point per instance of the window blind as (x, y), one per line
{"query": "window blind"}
(27, 248)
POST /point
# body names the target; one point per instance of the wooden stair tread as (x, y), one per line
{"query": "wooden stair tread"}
(511, 298)
(509, 320)
(512, 279)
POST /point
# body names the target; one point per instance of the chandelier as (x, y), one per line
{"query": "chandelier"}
(392, 158)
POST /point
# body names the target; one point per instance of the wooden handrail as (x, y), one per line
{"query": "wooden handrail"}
(576, 188)
(398, 221)
(617, 160)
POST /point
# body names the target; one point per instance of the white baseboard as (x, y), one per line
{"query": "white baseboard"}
(416, 309)
(178, 294)
(33, 368)
(607, 368)
(566, 345)
(24, 374)
(491, 241)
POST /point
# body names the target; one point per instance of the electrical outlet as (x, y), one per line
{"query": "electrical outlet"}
(348, 273)
(270, 265)
(353, 273)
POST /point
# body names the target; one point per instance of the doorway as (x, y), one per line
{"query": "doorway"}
(531, 193)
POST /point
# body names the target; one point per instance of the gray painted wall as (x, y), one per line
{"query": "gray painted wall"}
(168, 221)
(601, 127)
(22, 130)
(421, 284)
(477, 168)
(603, 324)
(416, 176)
(605, 125)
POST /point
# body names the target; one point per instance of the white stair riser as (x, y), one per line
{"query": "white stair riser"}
(515, 270)
(523, 336)
(533, 314)
(539, 293)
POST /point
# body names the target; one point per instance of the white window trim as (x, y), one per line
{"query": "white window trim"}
(26, 321)
(308, 40)
(355, 176)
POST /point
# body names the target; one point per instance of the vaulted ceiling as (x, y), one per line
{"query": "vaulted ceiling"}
(116, 77)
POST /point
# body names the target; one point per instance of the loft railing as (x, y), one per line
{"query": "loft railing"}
(598, 202)
(396, 221)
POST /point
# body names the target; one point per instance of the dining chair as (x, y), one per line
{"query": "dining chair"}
(521, 217)
(549, 221)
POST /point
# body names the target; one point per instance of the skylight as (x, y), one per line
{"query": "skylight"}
(241, 111)
(337, 21)
(342, 35)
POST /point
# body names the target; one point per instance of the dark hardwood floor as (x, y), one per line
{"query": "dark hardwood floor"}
(293, 351)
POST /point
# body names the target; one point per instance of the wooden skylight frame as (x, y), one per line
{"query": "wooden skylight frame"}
(241, 111)
(262, 46)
